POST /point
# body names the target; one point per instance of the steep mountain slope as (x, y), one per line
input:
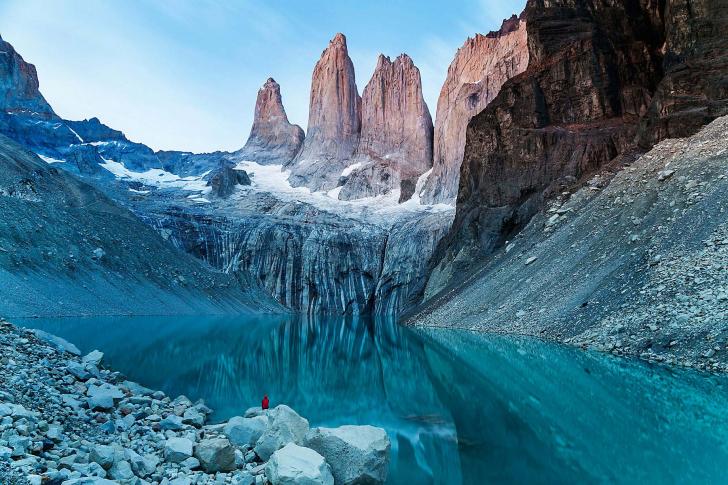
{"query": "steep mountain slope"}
(634, 264)
(604, 79)
(67, 249)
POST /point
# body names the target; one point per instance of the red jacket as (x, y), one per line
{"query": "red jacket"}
(265, 402)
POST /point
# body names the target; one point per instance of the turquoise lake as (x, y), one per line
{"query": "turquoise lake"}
(459, 407)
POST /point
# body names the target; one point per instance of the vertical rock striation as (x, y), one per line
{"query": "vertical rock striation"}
(334, 120)
(273, 139)
(474, 78)
(396, 131)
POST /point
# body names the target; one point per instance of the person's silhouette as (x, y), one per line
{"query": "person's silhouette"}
(265, 402)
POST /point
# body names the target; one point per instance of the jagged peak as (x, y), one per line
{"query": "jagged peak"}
(270, 83)
(509, 25)
(382, 61)
(339, 39)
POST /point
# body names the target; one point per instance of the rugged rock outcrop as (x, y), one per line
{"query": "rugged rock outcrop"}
(19, 85)
(593, 67)
(694, 89)
(396, 131)
(273, 139)
(599, 79)
(474, 78)
(225, 178)
(334, 120)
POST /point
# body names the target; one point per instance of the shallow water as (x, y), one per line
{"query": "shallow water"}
(459, 407)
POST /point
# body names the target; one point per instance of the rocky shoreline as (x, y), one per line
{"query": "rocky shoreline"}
(65, 419)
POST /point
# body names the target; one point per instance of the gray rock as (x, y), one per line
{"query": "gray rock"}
(57, 342)
(357, 454)
(285, 426)
(254, 411)
(103, 455)
(194, 417)
(243, 478)
(142, 466)
(296, 465)
(245, 431)
(190, 463)
(172, 422)
(78, 371)
(121, 470)
(94, 357)
(103, 397)
(177, 450)
(215, 455)
(89, 481)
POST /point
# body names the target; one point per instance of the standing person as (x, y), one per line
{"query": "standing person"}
(265, 402)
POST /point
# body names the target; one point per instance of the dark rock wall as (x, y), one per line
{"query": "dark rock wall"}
(600, 78)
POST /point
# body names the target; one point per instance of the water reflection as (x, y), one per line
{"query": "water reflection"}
(459, 407)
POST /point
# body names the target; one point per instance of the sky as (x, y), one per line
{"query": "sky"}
(184, 75)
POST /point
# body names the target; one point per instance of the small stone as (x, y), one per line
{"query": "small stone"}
(531, 260)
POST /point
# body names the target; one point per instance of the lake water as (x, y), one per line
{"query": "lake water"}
(459, 407)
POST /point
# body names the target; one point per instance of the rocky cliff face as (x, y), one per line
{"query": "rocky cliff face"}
(694, 89)
(474, 78)
(272, 140)
(396, 131)
(334, 120)
(311, 260)
(19, 84)
(599, 75)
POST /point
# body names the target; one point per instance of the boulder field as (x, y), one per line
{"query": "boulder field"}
(65, 419)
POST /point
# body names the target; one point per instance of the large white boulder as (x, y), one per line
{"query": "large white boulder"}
(245, 431)
(284, 426)
(357, 454)
(296, 465)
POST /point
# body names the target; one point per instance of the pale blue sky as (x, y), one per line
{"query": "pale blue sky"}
(184, 75)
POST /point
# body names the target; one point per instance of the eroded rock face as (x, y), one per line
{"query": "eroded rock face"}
(19, 84)
(225, 178)
(694, 90)
(334, 120)
(599, 79)
(474, 78)
(396, 131)
(273, 139)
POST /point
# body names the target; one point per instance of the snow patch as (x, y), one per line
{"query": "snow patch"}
(157, 177)
(79, 138)
(50, 160)
(382, 209)
(347, 171)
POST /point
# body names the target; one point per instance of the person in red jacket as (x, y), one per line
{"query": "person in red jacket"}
(265, 402)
